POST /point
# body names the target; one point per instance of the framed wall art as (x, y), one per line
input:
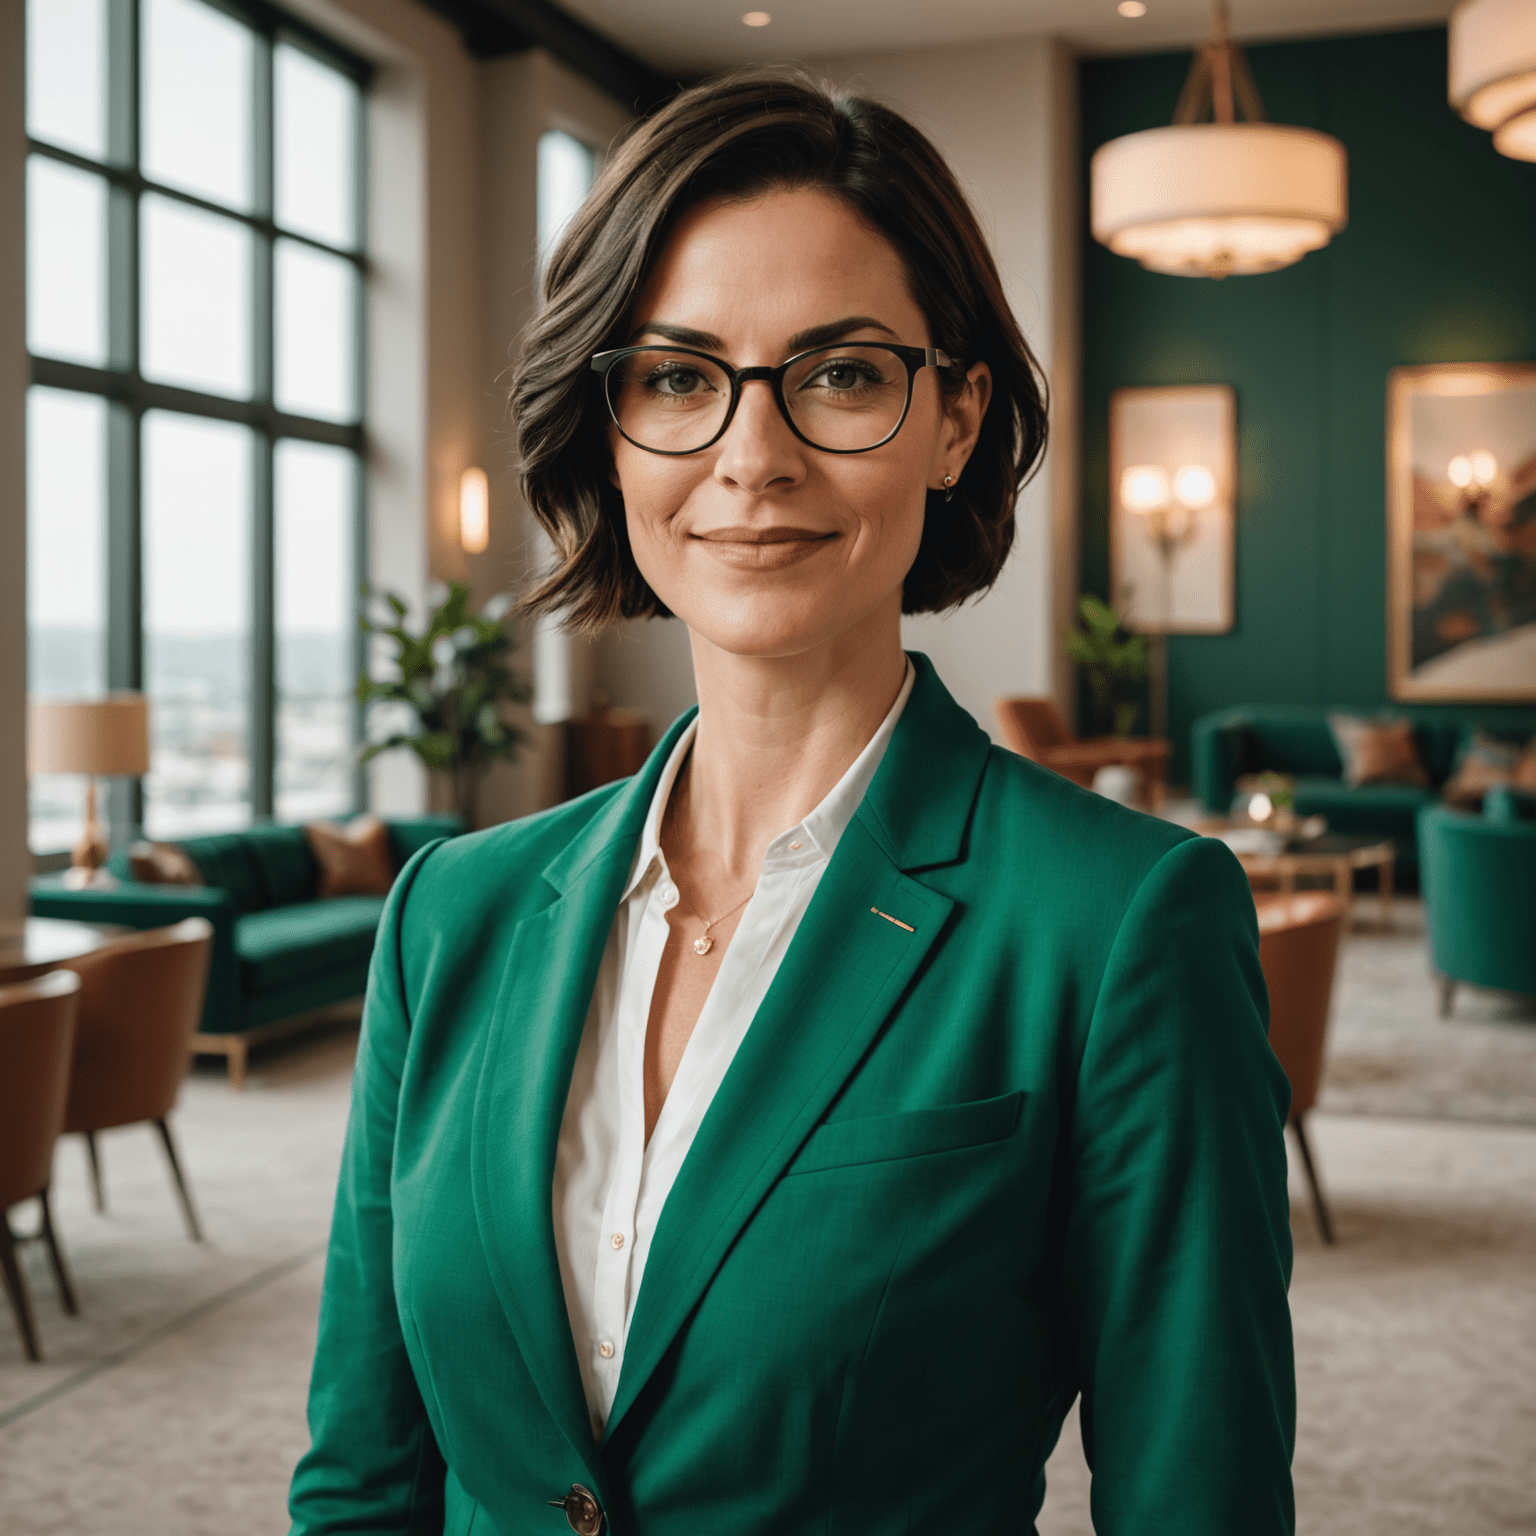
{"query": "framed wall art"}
(1461, 532)
(1173, 481)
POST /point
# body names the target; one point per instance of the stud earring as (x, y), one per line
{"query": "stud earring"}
(949, 487)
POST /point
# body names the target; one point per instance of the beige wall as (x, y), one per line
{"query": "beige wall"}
(15, 863)
(522, 97)
(1004, 115)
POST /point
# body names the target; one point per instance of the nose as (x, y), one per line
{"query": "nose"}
(759, 451)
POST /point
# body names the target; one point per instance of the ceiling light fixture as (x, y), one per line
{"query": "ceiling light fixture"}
(756, 19)
(1493, 71)
(1131, 8)
(1219, 197)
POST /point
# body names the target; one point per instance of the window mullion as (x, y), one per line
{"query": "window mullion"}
(263, 706)
(360, 541)
(125, 566)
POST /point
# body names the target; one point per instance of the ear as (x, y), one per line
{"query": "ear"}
(962, 426)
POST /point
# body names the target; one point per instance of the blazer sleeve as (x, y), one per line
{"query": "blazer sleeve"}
(1177, 1250)
(373, 1466)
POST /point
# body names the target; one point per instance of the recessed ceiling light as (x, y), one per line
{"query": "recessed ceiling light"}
(1131, 8)
(762, 18)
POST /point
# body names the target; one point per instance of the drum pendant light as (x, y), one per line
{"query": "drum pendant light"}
(1219, 197)
(1493, 71)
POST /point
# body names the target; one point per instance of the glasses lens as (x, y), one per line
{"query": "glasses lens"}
(847, 398)
(671, 402)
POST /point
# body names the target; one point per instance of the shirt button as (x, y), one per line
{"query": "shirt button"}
(618, 1239)
(797, 846)
(668, 893)
(605, 1349)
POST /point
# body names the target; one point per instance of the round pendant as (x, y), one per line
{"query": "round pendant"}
(704, 945)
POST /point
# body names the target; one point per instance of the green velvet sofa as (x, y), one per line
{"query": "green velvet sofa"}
(278, 951)
(1479, 877)
(1295, 739)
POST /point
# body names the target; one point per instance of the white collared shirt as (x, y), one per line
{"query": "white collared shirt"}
(609, 1185)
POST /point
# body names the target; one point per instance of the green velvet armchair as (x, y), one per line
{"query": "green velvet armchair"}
(1479, 880)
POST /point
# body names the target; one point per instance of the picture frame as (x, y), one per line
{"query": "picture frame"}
(1173, 496)
(1461, 532)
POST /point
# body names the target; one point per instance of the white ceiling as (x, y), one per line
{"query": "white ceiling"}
(691, 36)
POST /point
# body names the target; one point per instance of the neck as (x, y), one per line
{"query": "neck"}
(776, 734)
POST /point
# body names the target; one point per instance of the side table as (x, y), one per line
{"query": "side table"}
(32, 946)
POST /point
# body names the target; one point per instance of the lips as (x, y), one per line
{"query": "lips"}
(764, 549)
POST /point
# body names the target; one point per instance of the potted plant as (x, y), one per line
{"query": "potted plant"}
(1109, 660)
(452, 684)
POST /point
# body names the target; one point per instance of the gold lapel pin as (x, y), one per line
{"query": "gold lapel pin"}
(887, 916)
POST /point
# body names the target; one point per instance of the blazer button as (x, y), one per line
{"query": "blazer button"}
(583, 1513)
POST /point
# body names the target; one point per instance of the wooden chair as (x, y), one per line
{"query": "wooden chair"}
(1035, 729)
(140, 1002)
(1299, 949)
(37, 1039)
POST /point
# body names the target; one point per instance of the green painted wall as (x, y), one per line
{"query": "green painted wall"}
(1438, 264)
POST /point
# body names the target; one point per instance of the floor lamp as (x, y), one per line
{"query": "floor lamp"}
(101, 738)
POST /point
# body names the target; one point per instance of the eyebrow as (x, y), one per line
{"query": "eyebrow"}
(801, 341)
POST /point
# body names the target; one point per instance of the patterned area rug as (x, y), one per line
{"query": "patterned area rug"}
(1390, 1053)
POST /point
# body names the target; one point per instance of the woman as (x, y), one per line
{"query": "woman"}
(781, 1140)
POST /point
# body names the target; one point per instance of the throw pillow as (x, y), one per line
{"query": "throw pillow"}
(1377, 751)
(1485, 762)
(162, 864)
(354, 860)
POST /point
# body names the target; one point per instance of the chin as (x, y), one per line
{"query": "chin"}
(770, 625)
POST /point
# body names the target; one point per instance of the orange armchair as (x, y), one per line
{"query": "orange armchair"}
(1299, 950)
(37, 1035)
(1035, 729)
(140, 1000)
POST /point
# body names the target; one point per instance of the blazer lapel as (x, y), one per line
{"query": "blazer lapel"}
(843, 975)
(551, 969)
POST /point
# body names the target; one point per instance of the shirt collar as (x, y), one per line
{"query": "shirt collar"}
(822, 828)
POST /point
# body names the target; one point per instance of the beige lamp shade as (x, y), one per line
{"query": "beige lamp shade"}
(1493, 71)
(1215, 199)
(102, 737)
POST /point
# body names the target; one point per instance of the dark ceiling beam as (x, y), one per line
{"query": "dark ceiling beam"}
(491, 28)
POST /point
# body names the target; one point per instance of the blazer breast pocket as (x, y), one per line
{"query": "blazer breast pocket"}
(917, 1133)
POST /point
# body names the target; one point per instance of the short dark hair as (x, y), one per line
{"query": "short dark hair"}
(740, 137)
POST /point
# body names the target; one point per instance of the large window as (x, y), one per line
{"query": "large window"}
(195, 273)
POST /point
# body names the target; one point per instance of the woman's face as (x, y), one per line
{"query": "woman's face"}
(761, 544)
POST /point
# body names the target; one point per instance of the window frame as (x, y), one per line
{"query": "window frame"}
(128, 394)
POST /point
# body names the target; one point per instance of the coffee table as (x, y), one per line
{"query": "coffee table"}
(1335, 856)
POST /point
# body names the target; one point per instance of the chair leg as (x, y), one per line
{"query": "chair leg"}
(189, 1215)
(1447, 996)
(56, 1257)
(1319, 1205)
(236, 1064)
(97, 1192)
(16, 1289)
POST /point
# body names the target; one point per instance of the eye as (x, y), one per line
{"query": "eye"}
(842, 374)
(677, 379)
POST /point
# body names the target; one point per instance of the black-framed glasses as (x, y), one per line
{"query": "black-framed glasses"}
(846, 398)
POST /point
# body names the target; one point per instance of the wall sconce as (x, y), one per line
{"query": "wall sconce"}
(1168, 504)
(474, 511)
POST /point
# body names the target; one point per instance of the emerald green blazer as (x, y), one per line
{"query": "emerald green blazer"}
(1021, 1144)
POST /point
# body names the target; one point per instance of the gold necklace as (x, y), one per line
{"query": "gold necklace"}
(703, 944)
